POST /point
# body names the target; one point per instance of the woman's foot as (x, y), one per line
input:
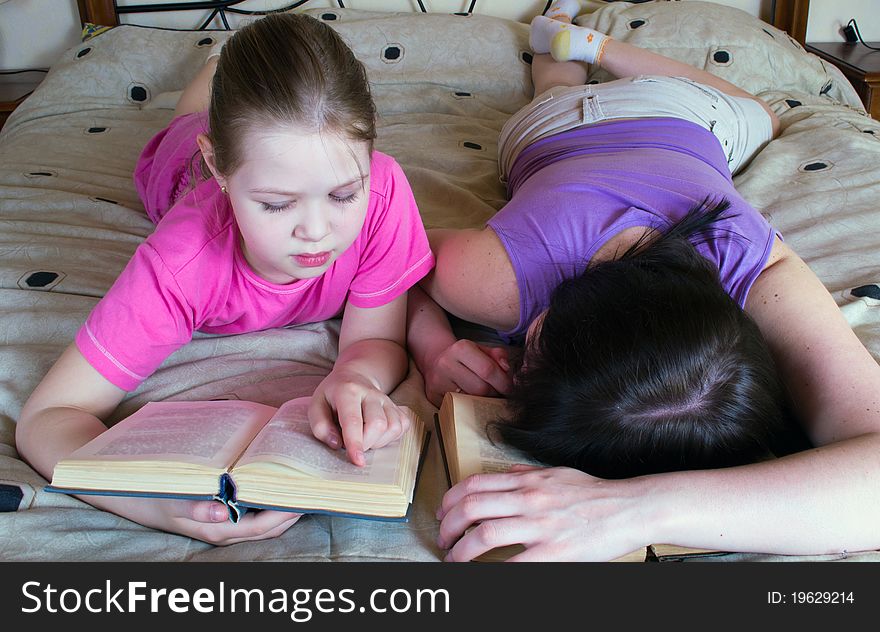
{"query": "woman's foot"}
(563, 10)
(578, 43)
(544, 27)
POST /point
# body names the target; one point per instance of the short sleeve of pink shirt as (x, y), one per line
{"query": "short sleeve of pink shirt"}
(190, 275)
(393, 245)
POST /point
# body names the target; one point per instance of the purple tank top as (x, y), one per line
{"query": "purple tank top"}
(573, 191)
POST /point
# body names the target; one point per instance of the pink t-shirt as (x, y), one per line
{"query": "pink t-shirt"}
(190, 274)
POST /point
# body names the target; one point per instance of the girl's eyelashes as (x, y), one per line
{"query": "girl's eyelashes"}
(283, 206)
(276, 208)
(344, 199)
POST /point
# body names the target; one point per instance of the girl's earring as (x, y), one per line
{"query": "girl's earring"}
(223, 188)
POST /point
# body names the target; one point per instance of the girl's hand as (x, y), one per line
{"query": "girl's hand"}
(558, 514)
(205, 520)
(469, 367)
(367, 418)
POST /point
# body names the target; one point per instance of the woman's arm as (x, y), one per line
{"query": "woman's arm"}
(473, 277)
(822, 500)
(625, 60)
(64, 413)
(197, 95)
(447, 363)
(372, 361)
(474, 280)
(818, 501)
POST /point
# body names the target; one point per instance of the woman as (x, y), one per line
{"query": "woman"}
(560, 165)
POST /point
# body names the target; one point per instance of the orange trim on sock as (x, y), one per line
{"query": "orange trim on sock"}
(600, 51)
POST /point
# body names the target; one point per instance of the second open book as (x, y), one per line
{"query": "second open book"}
(467, 449)
(246, 455)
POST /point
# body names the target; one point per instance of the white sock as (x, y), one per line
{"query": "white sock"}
(541, 32)
(563, 10)
(578, 43)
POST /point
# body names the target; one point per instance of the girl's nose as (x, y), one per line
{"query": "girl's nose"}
(311, 223)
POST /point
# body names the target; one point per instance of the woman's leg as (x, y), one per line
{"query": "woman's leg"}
(625, 60)
(547, 73)
(197, 95)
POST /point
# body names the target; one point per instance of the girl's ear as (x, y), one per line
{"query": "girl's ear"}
(207, 149)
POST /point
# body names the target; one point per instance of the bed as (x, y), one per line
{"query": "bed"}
(444, 85)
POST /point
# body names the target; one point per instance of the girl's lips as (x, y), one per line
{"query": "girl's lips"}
(315, 260)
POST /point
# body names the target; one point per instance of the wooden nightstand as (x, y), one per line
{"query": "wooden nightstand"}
(15, 88)
(860, 64)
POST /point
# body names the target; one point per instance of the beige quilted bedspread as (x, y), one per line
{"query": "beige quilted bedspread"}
(444, 85)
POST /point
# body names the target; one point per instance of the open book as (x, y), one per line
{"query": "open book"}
(246, 455)
(672, 552)
(467, 448)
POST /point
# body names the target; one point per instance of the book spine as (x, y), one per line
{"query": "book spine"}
(226, 495)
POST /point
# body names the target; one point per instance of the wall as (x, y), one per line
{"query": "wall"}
(827, 17)
(33, 33)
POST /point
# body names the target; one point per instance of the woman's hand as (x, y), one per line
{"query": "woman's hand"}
(469, 367)
(367, 418)
(558, 514)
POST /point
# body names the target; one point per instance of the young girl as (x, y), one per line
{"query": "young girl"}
(604, 183)
(296, 220)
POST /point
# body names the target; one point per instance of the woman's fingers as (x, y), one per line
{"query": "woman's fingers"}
(473, 510)
(492, 534)
(481, 483)
(472, 368)
(485, 364)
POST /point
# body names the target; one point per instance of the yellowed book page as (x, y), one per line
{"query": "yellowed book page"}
(673, 550)
(503, 553)
(288, 440)
(476, 452)
(639, 555)
(212, 434)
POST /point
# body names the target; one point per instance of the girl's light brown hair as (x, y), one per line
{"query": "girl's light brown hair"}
(282, 70)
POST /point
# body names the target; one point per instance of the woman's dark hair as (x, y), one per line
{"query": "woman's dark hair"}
(644, 364)
(287, 69)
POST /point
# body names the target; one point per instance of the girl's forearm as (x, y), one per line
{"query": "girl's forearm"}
(382, 362)
(45, 437)
(820, 501)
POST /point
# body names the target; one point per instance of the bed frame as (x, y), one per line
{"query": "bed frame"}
(791, 16)
(106, 12)
(788, 15)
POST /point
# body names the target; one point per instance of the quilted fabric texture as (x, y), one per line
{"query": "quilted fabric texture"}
(444, 86)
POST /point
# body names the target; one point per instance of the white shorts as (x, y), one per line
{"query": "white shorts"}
(741, 125)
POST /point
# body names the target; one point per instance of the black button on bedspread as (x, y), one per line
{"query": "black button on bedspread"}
(41, 279)
(10, 497)
(867, 291)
